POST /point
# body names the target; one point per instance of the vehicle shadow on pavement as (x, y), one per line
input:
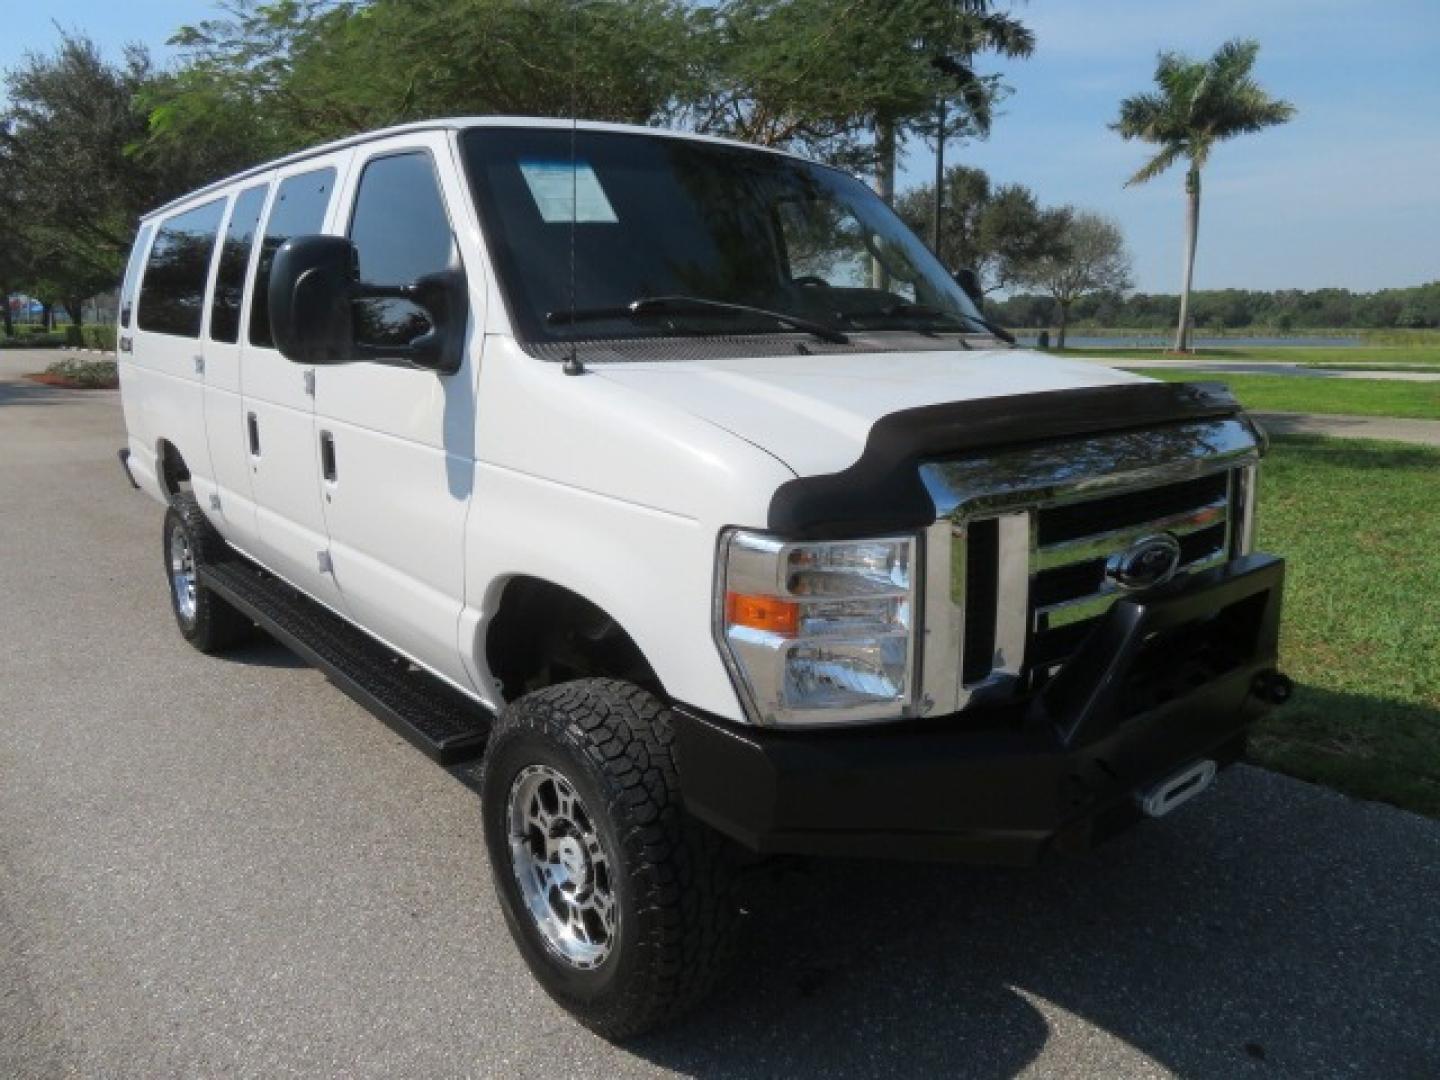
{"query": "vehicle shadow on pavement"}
(264, 651)
(33, 393)
(1271, 926)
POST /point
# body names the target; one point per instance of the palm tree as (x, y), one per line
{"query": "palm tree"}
(1198, 104)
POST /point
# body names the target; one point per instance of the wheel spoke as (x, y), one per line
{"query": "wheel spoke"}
(562, 867)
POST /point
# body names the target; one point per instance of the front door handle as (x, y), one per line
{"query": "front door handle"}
(327, 455)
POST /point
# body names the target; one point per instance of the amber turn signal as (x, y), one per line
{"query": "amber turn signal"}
(768, 613)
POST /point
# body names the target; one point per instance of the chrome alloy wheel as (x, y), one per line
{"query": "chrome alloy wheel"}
(182, 572)
(562, 867)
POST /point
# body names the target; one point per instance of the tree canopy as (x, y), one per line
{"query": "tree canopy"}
(1000, 231)
(1091, 257)
(89, 144)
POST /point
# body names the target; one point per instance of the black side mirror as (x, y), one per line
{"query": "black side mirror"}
(969, 280)
(310, 285)
(313, 283)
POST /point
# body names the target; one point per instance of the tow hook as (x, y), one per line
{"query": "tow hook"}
(1180, 787)
(1273, 687)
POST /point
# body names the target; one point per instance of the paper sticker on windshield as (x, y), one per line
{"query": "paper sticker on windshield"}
(557, 188)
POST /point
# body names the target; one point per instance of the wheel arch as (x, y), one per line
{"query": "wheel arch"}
(170, 468)
(542, 633)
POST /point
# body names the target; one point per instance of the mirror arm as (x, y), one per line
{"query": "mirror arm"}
(365, 291)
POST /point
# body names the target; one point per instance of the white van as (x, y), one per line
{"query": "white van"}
(680, 479)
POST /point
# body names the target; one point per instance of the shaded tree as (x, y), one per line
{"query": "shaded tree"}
(849, 80)
(1197, 104)
(1000, 231)
(76, 170)
(1093, 259)
(304, 71)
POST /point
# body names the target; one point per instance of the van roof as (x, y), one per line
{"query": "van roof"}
(450, 123)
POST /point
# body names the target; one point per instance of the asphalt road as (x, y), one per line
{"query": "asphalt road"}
(226, 867)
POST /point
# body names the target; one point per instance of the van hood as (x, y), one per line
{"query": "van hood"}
(815, 412)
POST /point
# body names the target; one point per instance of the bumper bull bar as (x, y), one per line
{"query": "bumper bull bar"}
(1169, 679)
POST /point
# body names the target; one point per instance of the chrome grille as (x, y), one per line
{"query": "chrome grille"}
(1016, 560)
(1069, 587)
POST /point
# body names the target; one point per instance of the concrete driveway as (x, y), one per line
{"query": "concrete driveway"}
(226, 867)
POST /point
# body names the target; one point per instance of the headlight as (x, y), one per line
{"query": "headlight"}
(818, 633)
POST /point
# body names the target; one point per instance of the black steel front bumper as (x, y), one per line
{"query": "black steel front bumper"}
(1169, 678)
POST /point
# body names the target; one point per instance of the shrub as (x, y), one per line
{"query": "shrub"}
(100, 336)
(33, 341)
(74, 337)
(91, 374)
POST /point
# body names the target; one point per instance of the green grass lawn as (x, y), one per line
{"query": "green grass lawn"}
(1284, 354)
(1359, 525)
(1291, 393)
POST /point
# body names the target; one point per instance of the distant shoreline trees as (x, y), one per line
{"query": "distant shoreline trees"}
(1279, 310)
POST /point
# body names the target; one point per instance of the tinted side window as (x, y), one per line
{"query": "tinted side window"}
(401, 233)
(132, 272)
(172, 292)
(298, 210)
(234, 261)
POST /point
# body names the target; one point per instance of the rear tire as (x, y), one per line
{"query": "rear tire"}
(623, 906)
(191, 542)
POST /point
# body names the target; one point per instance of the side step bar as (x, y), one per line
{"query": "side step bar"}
(437, 718)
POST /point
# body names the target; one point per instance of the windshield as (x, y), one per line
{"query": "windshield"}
(680, 219)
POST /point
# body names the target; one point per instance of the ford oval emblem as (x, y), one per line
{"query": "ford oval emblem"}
(1146, 563)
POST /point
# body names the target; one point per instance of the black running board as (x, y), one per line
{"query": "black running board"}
(435, 717)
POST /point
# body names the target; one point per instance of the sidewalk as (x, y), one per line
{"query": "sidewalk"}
(1276, 367)
(1419, 432)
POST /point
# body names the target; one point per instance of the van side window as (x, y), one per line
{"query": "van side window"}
(298, 210)
(401, 232)
(234, 261)
(172, 292)
(132, 273)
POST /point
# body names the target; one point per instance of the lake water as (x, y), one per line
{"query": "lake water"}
(1164, 341)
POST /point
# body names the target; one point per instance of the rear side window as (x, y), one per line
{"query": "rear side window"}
(298, 210)
(234, 261)
(132, 273)
(401, 232)
(172, 292)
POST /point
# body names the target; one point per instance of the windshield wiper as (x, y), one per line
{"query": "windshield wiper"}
(925, 311)
(647, 307)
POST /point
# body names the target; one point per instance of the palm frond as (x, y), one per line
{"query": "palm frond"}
(1157, 164)
(1197, 104)
(1004, 34)
(1141, 115)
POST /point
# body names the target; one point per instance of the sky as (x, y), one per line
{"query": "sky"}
(1347, 194)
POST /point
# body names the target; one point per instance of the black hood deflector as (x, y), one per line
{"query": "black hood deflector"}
(882, 491)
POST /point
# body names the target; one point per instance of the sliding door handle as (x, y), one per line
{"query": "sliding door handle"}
(252, 425)
(327, 456)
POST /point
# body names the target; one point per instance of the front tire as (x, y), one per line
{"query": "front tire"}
(205, 620)
(622, 904)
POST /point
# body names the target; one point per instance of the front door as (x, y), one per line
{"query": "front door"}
(401, 439)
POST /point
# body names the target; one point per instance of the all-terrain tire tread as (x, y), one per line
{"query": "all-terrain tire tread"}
(217, 625)
(685, 871)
